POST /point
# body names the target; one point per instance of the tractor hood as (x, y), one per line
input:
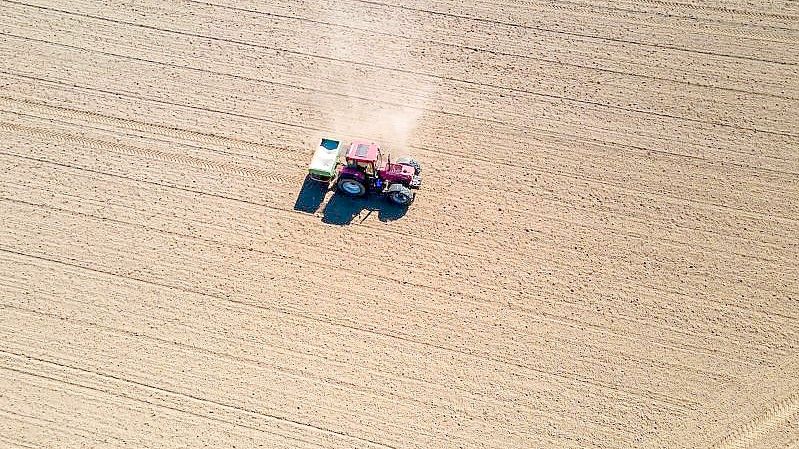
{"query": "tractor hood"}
(397, 173)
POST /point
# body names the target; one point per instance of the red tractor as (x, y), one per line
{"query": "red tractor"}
(364, 171)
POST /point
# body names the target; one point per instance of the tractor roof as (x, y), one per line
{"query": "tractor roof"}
(363, 151)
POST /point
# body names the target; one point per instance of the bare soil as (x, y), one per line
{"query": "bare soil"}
(603, 253)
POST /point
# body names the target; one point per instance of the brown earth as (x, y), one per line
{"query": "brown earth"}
(603, 254)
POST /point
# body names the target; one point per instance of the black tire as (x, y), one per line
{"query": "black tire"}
(400, 195)
(351, 187)
(407, 160)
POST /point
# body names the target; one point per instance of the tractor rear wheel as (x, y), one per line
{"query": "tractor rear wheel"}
(399, 194)
(351, 187)
(407, 160)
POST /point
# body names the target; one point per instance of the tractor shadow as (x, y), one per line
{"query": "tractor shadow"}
(311, 196)
(343, 210)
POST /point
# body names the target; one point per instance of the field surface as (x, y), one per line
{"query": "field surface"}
(604, 252)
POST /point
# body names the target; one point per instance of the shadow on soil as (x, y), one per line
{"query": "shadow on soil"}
(342, 210)
(311, 196)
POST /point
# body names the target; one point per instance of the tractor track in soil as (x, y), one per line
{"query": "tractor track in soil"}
(777, 415)
(465, 116)
(255, 148)
(521, 89)
(306, 86)
(676, 405)
(582, 35)
(558, 61)
(603, 253)
(603, 5)
(472, 18)
(419, 286)
(140, 152)
(626, 17)
(143, 152)
(366, 274)
(500, 164)
(256, 171)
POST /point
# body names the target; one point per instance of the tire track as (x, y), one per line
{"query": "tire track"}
(57, 426)
(16, 443)
(555, 218)
(495, 52)
(309, 247)
(477, 301)
(378, 229)
(74, 431)
(529, 311)
(595, 104)
(9, 416)
(678, 5)
(366, 274)
(475, 49)
(260, 363)
(133, 125)
(288, 372)
(130, 150)
(539, 170)
(776, 415)
(324, 358)
(262, 81)
(211, 194)
(660, 12)
(89, 365)
(255, 80)
(524, 129)
(578, 223)
(543, 259)
(43, 121)
(589, 13)
(222, 141)
(610, 10)
(507, 124)
(735, 11)
(343, 364)
(420, 285)
(685, 5)
(574, 34)
(109, 391)
(678, 405)
(676, 292)
(79, 116)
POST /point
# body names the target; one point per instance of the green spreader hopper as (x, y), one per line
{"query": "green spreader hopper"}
(325, 160)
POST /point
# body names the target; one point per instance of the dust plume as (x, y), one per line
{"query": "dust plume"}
(379, 100)
(391, 125)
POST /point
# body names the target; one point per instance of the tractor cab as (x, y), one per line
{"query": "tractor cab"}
(364, 156)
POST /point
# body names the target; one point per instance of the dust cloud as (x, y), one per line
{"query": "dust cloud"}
(383, 104)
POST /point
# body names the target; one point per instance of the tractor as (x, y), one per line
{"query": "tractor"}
(364, 171)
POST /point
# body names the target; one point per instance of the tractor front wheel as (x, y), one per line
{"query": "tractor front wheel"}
(399, 194)
(351, 187)
(407, 160)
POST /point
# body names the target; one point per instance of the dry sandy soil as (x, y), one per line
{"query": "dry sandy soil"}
(603, 254)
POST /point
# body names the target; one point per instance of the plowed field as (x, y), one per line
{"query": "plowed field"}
(604, 252)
